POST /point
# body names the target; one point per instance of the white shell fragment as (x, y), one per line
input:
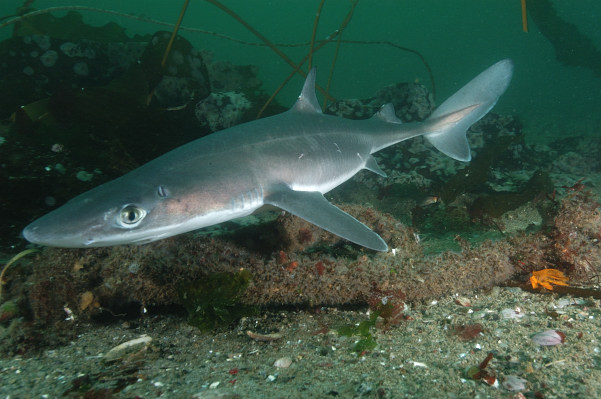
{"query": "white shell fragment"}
(514, 383)
(549, 338)
(132, 346)
(283, 363)
(264, 337)
(463, 301)
(516, 313)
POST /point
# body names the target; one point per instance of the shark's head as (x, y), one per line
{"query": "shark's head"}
(123, 211)
(106, 215)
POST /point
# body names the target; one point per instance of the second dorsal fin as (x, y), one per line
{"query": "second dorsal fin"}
(387, 114)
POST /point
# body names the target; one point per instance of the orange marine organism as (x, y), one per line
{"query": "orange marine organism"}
(547, 277)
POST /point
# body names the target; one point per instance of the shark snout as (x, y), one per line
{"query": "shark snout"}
(42, 233)
(30, 235)
(35, 234)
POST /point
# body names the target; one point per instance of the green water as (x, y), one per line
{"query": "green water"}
(458, 38)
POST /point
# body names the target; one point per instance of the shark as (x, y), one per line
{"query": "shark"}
(289, 161)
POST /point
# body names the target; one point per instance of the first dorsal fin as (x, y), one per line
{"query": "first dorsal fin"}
(307, 101)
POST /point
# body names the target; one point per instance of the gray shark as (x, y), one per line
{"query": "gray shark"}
(288, 160)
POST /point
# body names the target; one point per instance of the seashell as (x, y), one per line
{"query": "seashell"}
(137, 345)
(264, 337)
(549, 338)
(463, 301)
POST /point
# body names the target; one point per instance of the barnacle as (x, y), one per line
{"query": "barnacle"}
(546, 277)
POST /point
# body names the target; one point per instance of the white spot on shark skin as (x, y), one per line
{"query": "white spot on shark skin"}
(338, 148)
(301, 156)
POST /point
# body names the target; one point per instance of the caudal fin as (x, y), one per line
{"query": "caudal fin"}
(467, 106)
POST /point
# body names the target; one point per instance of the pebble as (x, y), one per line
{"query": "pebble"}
(283, 363)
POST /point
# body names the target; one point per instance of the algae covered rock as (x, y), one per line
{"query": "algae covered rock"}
(215, 301)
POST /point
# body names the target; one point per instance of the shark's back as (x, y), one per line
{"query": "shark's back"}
(309, 152)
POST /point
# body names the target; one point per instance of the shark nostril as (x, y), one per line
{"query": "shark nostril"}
(163, 192)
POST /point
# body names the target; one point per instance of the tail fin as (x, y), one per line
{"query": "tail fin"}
(470, 103)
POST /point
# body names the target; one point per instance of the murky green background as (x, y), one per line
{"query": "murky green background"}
(458, 38)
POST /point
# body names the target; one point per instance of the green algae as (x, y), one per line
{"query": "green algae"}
(366, 342)
(8, 311)
(216, 300)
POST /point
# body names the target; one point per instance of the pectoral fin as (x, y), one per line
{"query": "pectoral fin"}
(315, 208)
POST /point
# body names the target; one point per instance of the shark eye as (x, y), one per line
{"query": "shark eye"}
(131, 215)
